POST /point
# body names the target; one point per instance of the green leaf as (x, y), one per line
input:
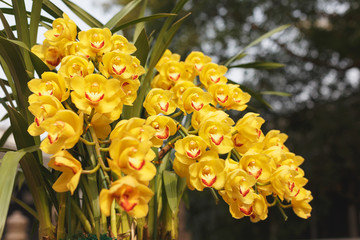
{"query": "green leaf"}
(5, 136)
(21, 21)
(259, 65)
(34, 20)
(256, 41)
(115, 20)
(142, 19)
(170, 184)
(282, 94)
(83, 15)
(52, 9)
(8, 168)
(143, 47)
(6, 25)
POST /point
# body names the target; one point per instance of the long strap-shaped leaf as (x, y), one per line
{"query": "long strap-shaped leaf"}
(256, 41)
(35, 20)
(83, 15)
(116, 19)
(8, 169)
(6, 25)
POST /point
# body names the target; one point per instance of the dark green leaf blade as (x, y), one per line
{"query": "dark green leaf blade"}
(259, 65)
(116, 19)
(170, 185)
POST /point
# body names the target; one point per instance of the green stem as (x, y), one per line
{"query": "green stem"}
(86, 142)
(61, 217)
(176, 114)
(236, 155)
(104, 149)
(213, 193)
(113, 220)
(81, 216)
(91, 171)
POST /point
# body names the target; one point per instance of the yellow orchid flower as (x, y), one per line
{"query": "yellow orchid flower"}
(73, 66)
(166, 57)
(50, 84)
(75, 48)
(132, 157)
(275, 138)
(239, 185)
(229, 96)
(159, 101)
(42, 107)
(178, 90)
(121, 44)
(300, 203)
(287, 182)
(173, 71)
(194, 99)
(217, 134)
(63, 28)
(198, 60)
(130, 88)
(134, 127)
(50, 55)
(64, 130)
(208, 172)
(257, 164)
(160, 81)
(63, 161)
(164, 127)
(95, 91)
(212, 74)
(132, 197)
(95, 41)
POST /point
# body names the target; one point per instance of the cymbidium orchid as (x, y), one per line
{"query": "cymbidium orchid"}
(212, 73)
(71, 169)
(95, 41)
(73, 66)
(42, 107)
(132, 197)
(198, 60)
(159, 101)
(95, 91)
(185, 132)
(164, 127)
(194, 99)
(50, 84)
(64, 130)
(132, 157)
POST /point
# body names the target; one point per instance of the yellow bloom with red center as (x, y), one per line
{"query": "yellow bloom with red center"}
(212, 74)
(63, 28)
(64, 130)
(239, 185)
(275, 138)
(75, 48)
(287, 182)
(194, 99)
(95, 91)
(198, 60)
(166, 57)
(239, 99)
(159, 101)
(208, 172)
(50, 55)
(178, 90)
(75, 66)
(217, 134)
(300, 203)
(256, 210)
(164, 127)
(132, 157)
(95, 41)
(121, 44)
(121, 65)
(160, 81)
(42, 107)
(71, 170)
(173, 71)
(50, 84)
(189, 149)
(130, 88)
(134, 127)
(132, 196)
(257, 165)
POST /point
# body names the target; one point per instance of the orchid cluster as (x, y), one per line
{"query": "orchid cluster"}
(80, 103)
